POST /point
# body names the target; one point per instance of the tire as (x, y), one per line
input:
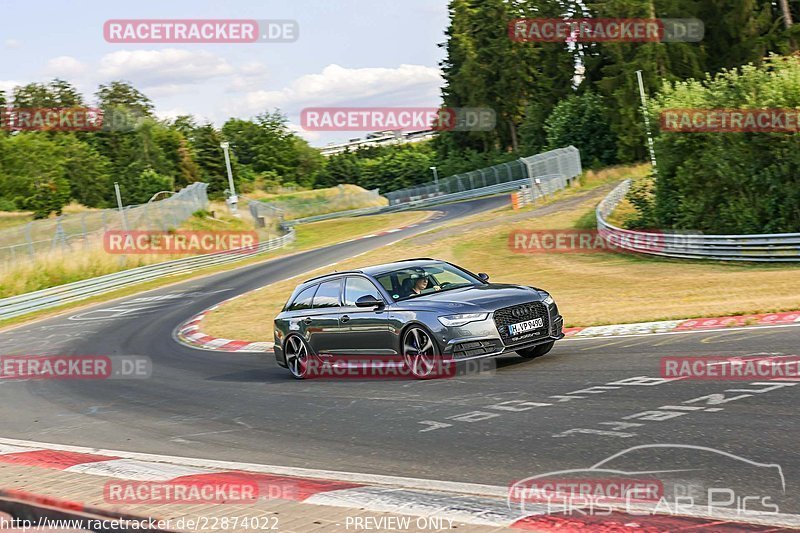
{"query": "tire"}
(420, 353)
(536, 351)
(297, 354)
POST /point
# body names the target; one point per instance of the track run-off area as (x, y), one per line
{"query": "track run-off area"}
(587, 401)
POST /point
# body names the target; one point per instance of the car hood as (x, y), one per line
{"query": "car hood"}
(474, 299)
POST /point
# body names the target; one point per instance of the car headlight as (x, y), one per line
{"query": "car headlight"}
(549, 300)
(460, 320)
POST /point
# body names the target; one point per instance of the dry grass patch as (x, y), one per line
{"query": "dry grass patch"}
(91, 260)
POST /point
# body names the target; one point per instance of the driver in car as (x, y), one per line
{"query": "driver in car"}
(420, 284)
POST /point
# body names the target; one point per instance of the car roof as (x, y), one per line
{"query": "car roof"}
(378, 269)
(399, 265)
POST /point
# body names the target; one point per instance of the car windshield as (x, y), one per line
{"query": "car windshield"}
(411, 282)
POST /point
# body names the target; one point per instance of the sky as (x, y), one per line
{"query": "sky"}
(355, 53)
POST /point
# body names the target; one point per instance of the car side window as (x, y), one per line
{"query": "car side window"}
(304, 299)
(355, 288)
(328, 294)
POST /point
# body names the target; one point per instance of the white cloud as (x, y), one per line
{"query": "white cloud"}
(310, 136)
(167, 67)
(8, 85)
(12, 44)
(406, 85)
(249, 77)
(169, 114)
(64, 67)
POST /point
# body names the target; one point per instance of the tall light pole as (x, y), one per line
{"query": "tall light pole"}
(120, 207)
(435, 178)
(650, 144)
(232, 199)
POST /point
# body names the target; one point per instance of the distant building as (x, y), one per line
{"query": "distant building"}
(378, 138)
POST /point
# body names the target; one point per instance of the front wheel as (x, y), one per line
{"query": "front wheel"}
(536, 351)
(297, 356)
(420, 353)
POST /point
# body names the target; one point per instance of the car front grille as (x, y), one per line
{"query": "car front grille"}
(520, 313)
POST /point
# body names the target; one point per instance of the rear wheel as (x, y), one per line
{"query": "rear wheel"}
(420, 353)
(296, 352)
(536, 351)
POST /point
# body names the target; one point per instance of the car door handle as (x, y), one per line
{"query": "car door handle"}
(345, 318)
(307, 320)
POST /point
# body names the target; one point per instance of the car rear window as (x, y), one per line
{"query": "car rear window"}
(328, 294)
(304, 299)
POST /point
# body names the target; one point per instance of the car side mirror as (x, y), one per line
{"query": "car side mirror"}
(484, 276)
(369, 300)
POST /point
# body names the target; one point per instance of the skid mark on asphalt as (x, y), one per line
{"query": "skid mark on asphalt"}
(723, 338)
(643, 342)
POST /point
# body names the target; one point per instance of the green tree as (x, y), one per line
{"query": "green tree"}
(344, 167)
(123, 95)
(38, 183)
(57, 93)
(211, 160)
(580, 120)
(743, 182)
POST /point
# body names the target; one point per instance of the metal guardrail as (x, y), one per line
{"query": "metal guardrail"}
(15, 306)
(768, 247)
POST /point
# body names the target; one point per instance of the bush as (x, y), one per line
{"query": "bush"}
(7, 204)
(742, 182)
(580, 120)
(642, 199)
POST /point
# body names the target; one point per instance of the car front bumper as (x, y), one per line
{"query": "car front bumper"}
(481, 339)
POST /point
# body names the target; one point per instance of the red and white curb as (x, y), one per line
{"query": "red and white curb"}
(189, 333)
(693, 324)
(436, 215)
(452, 501)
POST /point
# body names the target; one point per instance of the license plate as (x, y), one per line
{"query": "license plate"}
(528, 325)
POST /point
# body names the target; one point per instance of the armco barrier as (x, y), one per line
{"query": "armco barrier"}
(80, 290)
(772, 247)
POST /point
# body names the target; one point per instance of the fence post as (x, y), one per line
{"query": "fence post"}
(29, 240)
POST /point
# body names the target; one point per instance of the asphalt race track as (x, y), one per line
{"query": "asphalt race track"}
(584, 402)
